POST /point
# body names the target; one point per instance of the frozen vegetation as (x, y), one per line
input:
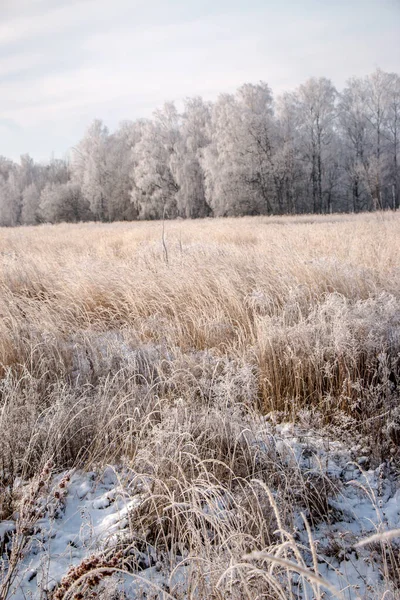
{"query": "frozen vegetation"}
(312, 150)
(201, 410)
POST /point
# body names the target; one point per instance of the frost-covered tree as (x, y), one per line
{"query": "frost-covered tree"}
(376, 99)
(185, 160)
(89, 169)
(30, 205)
(287, 159)
(119, 169)
(155, 187)
(6, 167)
(9, 197)
(10, 201)
(313, 150)
(354, 127)
(315, 103)
(63, 202)
(392, 129)
(238, 162)
(15, 180)
(369, 111)
(382, 111)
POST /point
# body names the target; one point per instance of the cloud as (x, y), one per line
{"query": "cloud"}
(9, 124)
(17, 63)
(48, 21)
(64, 63)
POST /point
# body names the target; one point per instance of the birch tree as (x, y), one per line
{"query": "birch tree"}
(185, 160)
(155, 187)
(89, 169)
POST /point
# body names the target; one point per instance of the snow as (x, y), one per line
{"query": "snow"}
(367, 502)
(6, 527)
(94, 513)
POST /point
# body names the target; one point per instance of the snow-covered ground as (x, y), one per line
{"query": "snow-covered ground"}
(92, 512)
(366, 502)
(92, 516)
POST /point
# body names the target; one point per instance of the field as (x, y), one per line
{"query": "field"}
(201, 409)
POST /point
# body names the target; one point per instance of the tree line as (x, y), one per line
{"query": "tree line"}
(313, 150)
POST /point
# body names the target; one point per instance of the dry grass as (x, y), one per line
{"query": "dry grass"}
(111, 349)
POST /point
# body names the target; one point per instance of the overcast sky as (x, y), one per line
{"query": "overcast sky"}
(66, 62)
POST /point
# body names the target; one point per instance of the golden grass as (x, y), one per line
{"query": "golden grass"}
(297, 296)
(112, 348)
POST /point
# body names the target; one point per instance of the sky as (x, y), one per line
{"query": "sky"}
(64, 63)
